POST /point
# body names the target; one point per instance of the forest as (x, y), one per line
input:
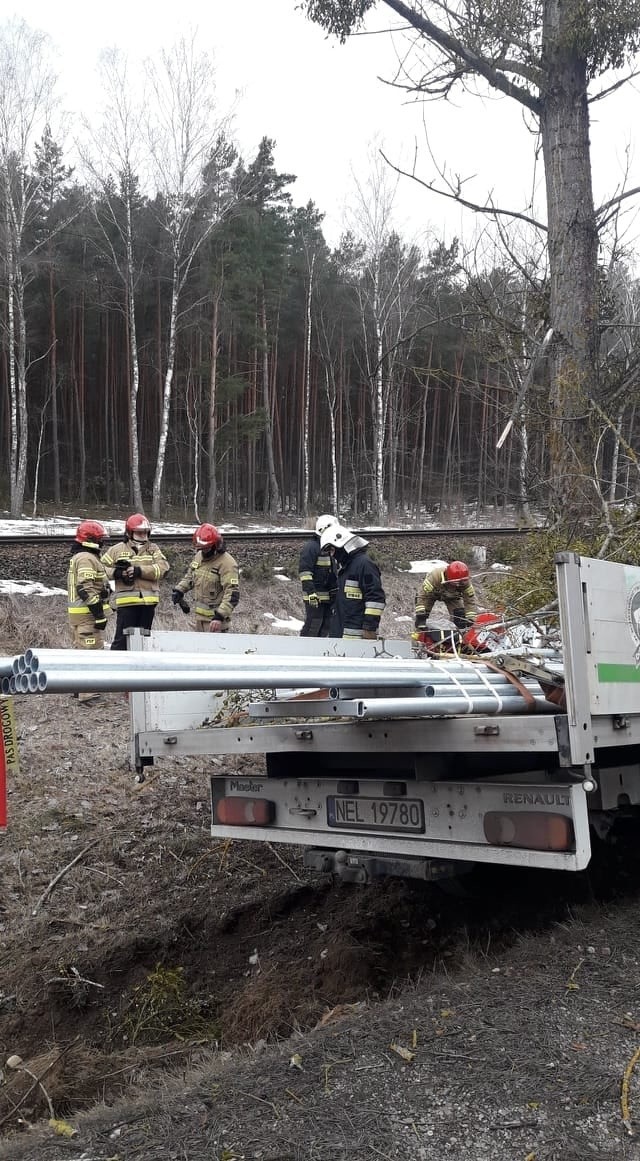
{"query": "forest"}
(178, 335)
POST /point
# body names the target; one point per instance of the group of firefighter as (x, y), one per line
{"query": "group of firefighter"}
(341, 586)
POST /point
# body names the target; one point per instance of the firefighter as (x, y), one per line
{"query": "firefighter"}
(318, 579)
(213, 577)
(360, 599)
(452, 585)
(136, 567)
(88, 589)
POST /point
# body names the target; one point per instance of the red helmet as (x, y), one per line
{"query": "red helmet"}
(137, 523)
(91, 534)
(207, 537)
(456, 571)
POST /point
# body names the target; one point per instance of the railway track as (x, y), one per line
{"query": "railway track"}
(289, 535)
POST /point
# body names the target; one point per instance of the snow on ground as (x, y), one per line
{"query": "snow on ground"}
(28, 589)
(291, 625)
(425, 565)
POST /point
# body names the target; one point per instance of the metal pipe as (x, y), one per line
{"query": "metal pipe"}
(66, 680)
(61, 680)
(412, 707)
(6, 666)
(412, 671)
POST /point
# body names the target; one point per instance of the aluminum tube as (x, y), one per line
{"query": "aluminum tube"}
(413, 707)
(64, 679)
(243, 672)
(473, 691)
(6, 666)
(332, 670)
(116, 680)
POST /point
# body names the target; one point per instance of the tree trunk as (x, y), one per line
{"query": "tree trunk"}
(134, 450)
(53, 380)
(211, 427)
(573, 247)
(166, 399)
(273, 504)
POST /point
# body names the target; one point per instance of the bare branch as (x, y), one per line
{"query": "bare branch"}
(473, 61)
(454, 195)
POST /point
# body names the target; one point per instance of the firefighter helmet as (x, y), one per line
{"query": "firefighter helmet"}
(456, 571)
(91, 534)
(137, 524)
(324, 522)
(340, 537)
(207, 537)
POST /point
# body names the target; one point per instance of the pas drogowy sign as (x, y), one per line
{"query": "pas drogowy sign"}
(8, 753)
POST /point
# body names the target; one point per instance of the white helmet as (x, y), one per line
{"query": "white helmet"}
(341, 537)
(324, 522)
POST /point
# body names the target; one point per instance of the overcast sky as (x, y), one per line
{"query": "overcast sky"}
(325, 106)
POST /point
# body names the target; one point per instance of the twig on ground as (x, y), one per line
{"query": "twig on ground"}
(624, 1095)
(261, 1100)
(284, 863)
(54, 882)
(226, 846)
(148, 781)
(37, 1080)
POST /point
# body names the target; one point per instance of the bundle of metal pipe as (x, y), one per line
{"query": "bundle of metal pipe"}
(451, 687)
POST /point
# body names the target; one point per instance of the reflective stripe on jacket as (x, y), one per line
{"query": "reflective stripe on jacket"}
(435, 587)
(215, 583)
(316, 572)
(144, 589)
(361, 599)
(87, 582)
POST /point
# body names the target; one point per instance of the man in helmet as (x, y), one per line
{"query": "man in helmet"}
(88, 591)
(318, 579)
(360, 599)
(136, 567)
(452, 585)
(213, 577)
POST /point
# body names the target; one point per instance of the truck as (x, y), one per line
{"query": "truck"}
(376, 762)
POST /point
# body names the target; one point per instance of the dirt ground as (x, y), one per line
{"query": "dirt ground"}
(173, 998)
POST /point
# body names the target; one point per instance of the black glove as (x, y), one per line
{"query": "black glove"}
(137, 571)
(97, 612)
(120, 569)
(420, 624)
(177, 596)
(185, 606)
(461, 621)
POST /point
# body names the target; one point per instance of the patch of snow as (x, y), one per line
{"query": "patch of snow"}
(28, 589)
(501, 568)
(292, 625)
(425, 565)
(280, 576)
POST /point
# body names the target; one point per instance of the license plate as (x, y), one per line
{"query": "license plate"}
(406, 814)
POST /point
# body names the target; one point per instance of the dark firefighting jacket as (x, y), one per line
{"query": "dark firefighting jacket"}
(459, 599)
(316, 572)
(216, 586)
(144, 589)
(360, 600)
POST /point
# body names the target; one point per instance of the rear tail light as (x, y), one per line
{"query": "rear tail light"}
(245, 811)
(538, 832)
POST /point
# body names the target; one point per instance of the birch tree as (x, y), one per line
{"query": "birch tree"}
(387, 268)
(114, 160)
(188, 146)
(546, 56)
(27, 85)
